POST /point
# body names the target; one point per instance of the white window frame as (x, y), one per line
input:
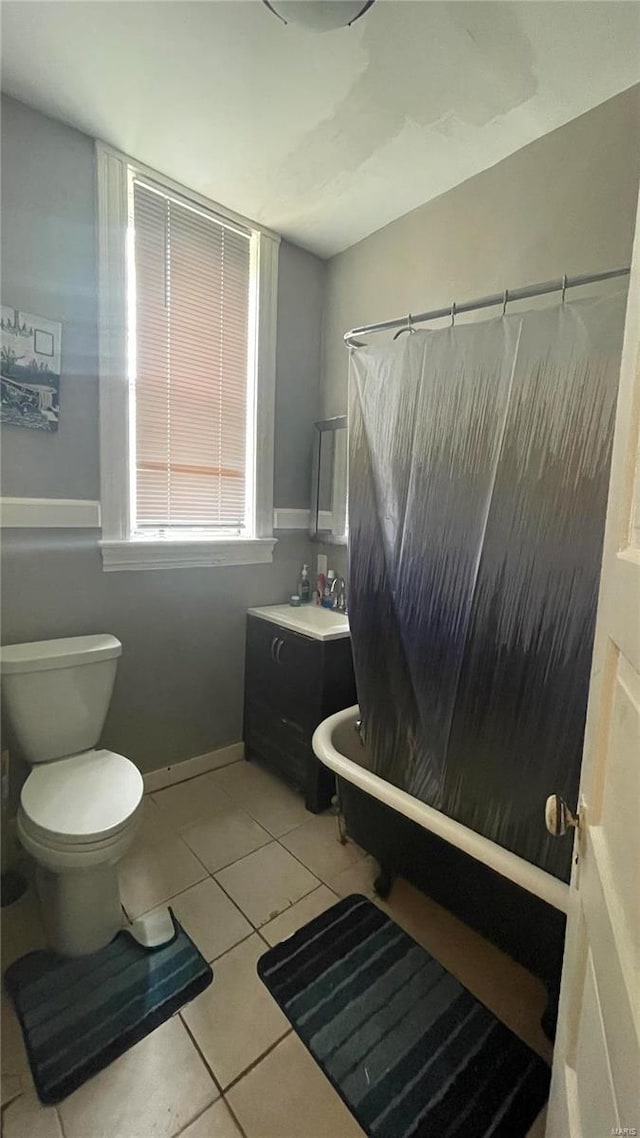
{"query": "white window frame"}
(121, 549)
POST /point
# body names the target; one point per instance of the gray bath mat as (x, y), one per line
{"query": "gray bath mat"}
(78, 1015)
(412, 1053)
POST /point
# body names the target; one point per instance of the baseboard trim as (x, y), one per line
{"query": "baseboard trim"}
(191, 768)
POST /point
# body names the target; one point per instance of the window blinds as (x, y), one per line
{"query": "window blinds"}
(192, 276)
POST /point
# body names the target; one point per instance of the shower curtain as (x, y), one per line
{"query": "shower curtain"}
(478, 475)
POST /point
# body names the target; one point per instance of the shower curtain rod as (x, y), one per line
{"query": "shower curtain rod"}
(405, 323)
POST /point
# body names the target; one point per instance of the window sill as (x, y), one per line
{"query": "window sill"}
(127, 555)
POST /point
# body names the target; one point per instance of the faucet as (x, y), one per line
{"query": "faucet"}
(339, 594)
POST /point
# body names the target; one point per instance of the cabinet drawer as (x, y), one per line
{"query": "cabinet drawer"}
(284, 671)
(279, 740)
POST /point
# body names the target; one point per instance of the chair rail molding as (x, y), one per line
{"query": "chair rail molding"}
(289, 517)
(49, 513)
(293, 518)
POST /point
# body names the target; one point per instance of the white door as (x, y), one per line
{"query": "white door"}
(595, 1089)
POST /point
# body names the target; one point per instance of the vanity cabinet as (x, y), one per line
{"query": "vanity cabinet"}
(292, 682)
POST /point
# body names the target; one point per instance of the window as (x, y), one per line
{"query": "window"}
(189, 276)
(187, 362)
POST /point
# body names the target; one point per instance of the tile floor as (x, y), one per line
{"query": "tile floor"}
(243, 866)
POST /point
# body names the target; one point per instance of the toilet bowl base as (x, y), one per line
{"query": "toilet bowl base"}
(81, 910)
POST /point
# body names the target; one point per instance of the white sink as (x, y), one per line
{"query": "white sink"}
(308, 620)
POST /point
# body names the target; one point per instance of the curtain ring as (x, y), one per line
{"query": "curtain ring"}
(409, 327)
(453, 313)
(564, 287)
(504, 302)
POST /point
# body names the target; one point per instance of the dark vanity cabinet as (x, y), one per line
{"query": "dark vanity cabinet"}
(292, 682)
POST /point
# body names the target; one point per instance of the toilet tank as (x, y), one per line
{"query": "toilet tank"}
(56, 693)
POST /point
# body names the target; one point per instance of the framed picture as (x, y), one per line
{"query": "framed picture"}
(30, 372)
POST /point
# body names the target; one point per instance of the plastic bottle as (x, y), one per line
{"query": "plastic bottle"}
(327, 599)
(304, 586)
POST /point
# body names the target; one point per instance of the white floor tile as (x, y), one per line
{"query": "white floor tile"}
(316, 845)
(235, 1020)
(264, 796)
(357, 878)
(26, 1117)
(151, 874)
(298, 915)
(241, 778)
(161, 1087)
(266, 882)
(287, 1096)
(12, 1052)
(22, 932)
(186, 802)
(152, 1091)
(154, 825)
(21, 928)
(216, 1122)
(212, 921)
(10, 1087)
(229, 835)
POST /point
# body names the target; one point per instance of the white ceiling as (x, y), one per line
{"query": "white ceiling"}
(324, 138)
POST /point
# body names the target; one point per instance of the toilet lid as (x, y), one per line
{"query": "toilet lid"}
(84, 798)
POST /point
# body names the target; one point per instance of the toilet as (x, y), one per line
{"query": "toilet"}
(79, 807)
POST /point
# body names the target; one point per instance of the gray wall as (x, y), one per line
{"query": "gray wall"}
(180, 680)
(301, 282)
(564, 204)
(49, 267)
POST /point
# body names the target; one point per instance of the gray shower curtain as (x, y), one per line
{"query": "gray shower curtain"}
(478, 474)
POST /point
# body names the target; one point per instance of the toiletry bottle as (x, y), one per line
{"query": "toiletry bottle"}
(304, 586)
(318, 592)
(327, 599)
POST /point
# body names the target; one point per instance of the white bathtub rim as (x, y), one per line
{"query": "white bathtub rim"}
(517, 869)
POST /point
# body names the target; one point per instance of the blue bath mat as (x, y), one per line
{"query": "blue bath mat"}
(412, 1053)
(78, 1015)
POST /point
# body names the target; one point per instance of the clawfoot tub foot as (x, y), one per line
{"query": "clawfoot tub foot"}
(383, 883)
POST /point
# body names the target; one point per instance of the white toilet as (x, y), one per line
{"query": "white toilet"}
(79, 807)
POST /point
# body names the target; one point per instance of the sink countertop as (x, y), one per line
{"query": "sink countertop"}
(307, 620)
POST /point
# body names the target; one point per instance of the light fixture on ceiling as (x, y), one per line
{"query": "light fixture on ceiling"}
(319, 15)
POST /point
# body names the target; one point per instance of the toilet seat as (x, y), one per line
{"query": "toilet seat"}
(81, 804)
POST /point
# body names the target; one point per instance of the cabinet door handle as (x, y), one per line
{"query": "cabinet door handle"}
(273, 648)
(279, 650)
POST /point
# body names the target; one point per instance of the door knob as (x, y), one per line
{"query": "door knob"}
(558, 816)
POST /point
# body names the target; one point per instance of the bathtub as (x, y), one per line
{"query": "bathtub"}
(518, 906)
